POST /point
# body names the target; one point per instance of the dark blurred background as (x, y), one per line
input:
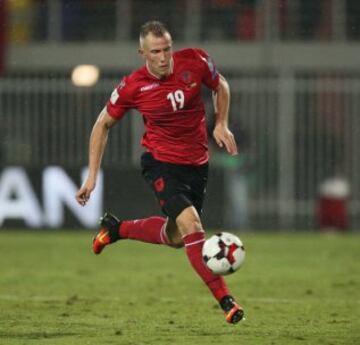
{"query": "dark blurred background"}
(294, 70)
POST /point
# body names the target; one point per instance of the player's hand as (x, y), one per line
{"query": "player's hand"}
(83, 194)
(224, 137)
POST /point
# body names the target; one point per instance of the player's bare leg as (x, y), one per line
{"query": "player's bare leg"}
(189, 225)
(173, 234)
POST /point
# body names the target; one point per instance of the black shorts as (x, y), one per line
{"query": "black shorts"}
(176, 186)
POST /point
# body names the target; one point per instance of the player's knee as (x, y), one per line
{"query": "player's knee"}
(176, 240)
(174, 235)
(177, 244)
(188, 221)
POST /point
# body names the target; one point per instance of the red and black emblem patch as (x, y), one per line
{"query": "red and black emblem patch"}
(159, 184)
(186, 77)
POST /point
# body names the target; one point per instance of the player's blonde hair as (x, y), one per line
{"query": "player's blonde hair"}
(158, 29)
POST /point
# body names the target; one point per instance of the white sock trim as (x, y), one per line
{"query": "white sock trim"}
(195, 242)
(183, 236)
(163, 236)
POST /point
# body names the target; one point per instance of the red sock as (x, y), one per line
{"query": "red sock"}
(193, 245)
(150, 230)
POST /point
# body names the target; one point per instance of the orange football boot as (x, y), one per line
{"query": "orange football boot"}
(233, 311)
(108, 233)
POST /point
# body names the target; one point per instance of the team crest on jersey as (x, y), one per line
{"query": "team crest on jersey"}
(186, 77)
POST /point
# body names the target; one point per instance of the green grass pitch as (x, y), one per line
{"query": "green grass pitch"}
(295, 289)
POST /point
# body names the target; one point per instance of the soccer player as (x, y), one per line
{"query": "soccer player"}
(167, 92)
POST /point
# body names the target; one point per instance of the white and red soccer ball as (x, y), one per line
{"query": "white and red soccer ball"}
(223, 253)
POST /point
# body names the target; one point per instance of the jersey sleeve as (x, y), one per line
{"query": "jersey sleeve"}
(210, 73)
(120, 100)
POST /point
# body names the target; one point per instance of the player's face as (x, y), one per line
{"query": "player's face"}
(157, 52)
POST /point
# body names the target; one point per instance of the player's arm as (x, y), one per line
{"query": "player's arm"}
(221, 133)
(98, 140)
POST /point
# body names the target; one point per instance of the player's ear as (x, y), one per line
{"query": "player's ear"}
(141, 52)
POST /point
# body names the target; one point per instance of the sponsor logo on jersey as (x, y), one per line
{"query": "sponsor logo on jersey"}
(149, 87)
(188, 87)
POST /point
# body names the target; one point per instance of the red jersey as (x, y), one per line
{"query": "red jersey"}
(172, 108)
